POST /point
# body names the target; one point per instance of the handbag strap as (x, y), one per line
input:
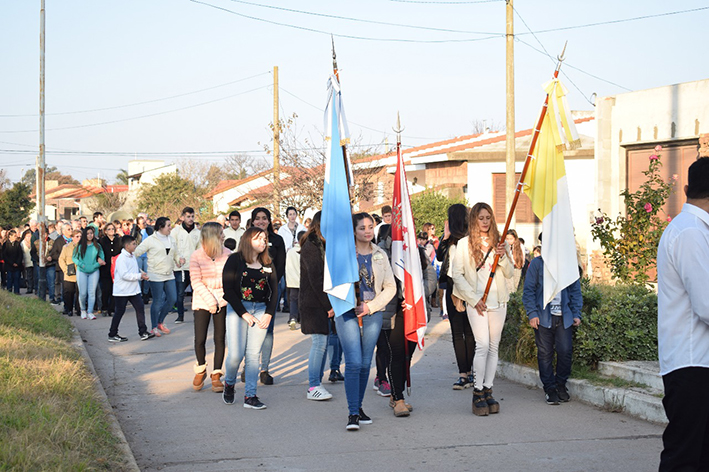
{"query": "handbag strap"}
(484, 259)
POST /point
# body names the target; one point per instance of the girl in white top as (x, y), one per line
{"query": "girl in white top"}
(470, 271)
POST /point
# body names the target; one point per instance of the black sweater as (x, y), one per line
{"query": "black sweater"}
(12, 254)
(231, 279)
(277, 251)
(313, 303)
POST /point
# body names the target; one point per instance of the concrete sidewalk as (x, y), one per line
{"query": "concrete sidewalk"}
(171, 427)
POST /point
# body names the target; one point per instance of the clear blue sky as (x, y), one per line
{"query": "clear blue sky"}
(113, 54)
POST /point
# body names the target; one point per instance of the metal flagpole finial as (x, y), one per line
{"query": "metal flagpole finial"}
(398, 130)
(558, 58)
(334, 56)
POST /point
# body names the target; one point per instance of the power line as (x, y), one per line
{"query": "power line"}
(142, 116)
(141, 103)
(360, 20)
(363, 38)
(622, 20)
(354, 123)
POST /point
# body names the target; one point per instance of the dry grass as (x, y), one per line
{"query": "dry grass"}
(50, 415)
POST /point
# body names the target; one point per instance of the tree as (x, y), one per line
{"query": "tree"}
(15, 205)
(204, 175)
(169, 195)
(107, 202)
(431, 207)
(51, 174)
(481, 126)
(241, 166)
(304, 164)
(122, 177)
(4, 181)
(630, 242)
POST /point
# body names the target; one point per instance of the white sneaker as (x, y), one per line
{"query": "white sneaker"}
(91, 316)
(83, 315)
(319, 394)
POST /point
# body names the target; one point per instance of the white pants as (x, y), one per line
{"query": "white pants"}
(487, 330)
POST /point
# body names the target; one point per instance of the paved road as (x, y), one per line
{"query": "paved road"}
(171, 427)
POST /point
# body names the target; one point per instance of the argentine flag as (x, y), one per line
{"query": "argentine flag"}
(341, 269)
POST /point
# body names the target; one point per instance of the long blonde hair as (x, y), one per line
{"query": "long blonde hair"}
(474, 242)
(211, 236)
(516, 248)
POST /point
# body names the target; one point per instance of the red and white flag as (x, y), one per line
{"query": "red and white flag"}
(406, 262)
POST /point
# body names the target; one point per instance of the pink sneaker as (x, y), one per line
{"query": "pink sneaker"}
(163, 328)
(156, 332)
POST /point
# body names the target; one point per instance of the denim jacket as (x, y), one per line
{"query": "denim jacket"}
(533, 297)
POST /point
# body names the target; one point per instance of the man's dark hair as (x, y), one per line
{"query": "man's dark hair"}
(161, 222)
(235, 213)
(230, 243)
(186, 210)
(386, 209)
(97, 214)
(289, 209)
(540, 237)
(127, 239)
(698, 179)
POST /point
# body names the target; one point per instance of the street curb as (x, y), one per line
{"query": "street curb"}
(638, 405)
(123, 445)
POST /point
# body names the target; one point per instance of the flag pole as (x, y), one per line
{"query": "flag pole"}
(520, 183)
(350, 184)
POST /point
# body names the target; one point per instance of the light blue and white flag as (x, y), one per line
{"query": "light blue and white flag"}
(341, 269)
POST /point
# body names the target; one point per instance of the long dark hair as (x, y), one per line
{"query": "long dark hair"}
(84, 241)
(313, 229)
(266, 212)
(457, 222)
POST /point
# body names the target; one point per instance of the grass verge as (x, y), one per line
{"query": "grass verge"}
(584, 372)
(50, 415)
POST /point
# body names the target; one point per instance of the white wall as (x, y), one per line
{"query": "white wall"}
(579, 174)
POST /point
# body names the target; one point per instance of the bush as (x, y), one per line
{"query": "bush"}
(619, 323)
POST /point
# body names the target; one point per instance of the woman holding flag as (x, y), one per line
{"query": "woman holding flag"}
(376, 289)
(470, 270)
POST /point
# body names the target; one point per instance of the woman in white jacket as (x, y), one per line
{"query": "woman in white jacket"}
(470, 270)
(162, 260)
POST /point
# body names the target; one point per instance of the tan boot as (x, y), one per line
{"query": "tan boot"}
(200, 373)
(392, 404)
(400, 409)
(217, 385)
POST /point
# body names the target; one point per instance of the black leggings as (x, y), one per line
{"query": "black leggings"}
(202, 319)
(71, 294)
(399, 361)
(108, 304)
(463, 339)
(382, 356)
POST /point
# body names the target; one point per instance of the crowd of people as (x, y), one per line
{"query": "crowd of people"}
(239, 277)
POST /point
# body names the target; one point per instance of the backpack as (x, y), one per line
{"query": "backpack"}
(113, 267)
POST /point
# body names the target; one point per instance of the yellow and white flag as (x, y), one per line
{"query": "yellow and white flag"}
(546, 185)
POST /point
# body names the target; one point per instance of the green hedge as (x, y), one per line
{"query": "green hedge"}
(619, 323)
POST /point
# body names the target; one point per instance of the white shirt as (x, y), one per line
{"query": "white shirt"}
(287, 235)
(683, 283)
(234, 234)
(126, 275)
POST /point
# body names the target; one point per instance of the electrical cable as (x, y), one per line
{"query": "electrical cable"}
(140, 103)
(139, 117)
(360, 20)
(338, 35)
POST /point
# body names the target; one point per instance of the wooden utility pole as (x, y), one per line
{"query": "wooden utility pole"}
(276, 144)
(40, 170)
(510, 122)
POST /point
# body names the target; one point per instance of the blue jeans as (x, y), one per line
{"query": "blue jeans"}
(164, 294)
(13, 281)
(143, 265)
(550, 339)
(244, 342)
(358, 350)
(87, 284)
(334, 349)
(316, 361)
(182, 280)
(51, 273)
